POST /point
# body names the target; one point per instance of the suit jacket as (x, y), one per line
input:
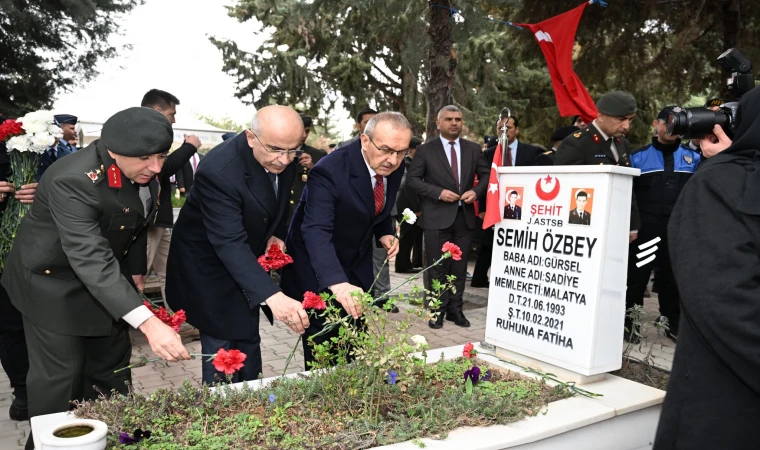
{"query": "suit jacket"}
(174, 162)
(212, 271)
(588, 147)
(526, 156)
(509, 213)
(302, 175)
(331, 234)
(578, 220)
(406, 197)
(430, 174)
(185, 177)
(62, 147)
(70, 268)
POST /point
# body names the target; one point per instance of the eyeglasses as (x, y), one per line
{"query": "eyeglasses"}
(279, 152)
(388, 151)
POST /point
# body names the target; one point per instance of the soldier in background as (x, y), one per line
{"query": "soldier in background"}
(63, 147)
(603, 141)
(306, 161)
(547, 158)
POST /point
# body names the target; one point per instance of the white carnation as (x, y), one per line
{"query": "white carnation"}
(41, 141)
(54, 129)
(18, 143)
(419, 340)
(34, 127)
(408, 216)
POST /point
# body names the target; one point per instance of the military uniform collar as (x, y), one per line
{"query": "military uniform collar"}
(599, 130)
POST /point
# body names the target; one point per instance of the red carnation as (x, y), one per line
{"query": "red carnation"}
(453, 249)
(469, 350)
(274, 259)
(313, 301)
(10, 128)
(174, 321)
(177, 319)
(229, 362)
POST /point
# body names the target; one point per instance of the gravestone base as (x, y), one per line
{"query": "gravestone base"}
(562, 374)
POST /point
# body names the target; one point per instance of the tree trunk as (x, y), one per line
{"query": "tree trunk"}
(441, 62)
(731, 30)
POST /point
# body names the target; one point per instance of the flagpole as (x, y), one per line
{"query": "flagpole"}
(503, 135)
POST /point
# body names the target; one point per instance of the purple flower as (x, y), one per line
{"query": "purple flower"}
(271, 398)
(486, 376)
(473, 373)
(125, 438)
(392, 376)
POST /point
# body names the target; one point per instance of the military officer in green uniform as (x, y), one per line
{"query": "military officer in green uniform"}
(603, 141)
(306, 161)
(69, 272)
(547, 158)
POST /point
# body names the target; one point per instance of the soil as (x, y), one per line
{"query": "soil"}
(643, 373)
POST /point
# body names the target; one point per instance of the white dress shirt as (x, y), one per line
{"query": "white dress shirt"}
(458, 151)
(613, 147)
(513, 151)
(372, 178)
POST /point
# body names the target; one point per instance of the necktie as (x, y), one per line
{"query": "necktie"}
(509, 156)
(454, 164)
(195, 164)
(379, 194)
(273, 179)
(144, 192)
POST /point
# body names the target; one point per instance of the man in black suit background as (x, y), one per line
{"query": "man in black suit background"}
(236, 210)
(442, 174)
(409, 254)
(516, 154)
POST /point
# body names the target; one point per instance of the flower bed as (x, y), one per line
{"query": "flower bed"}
(337, 408)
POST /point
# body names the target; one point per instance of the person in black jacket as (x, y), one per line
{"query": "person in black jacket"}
(713, 399)
(14, 356)
(516, 154)
(159, 233)
(409, 254)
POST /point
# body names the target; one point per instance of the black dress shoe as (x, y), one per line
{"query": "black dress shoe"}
(479, 284)
(19, 409)
(459, 319)
(438, 322)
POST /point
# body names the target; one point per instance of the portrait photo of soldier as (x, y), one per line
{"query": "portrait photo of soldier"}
(513, 206)
(580, 213)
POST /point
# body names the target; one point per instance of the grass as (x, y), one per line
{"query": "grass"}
(328, 409)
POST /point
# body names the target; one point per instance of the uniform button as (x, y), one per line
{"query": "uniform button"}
(266, 220)
(134, 238)
(47, 272)
(291, 192)
(125, 251)
(121, 227)
(292, 202)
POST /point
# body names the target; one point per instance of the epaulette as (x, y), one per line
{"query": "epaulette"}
(578, 134)
(548, 152)
(96, 174)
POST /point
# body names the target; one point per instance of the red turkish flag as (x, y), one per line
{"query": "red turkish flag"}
(556, 36)
(493, 212)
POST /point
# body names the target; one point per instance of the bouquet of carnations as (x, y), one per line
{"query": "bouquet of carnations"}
(27, 139)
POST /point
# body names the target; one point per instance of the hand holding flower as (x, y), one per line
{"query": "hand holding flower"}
(390, 243)
(351, 304)
(289, 311)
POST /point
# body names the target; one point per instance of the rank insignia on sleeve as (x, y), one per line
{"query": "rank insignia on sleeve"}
(93, 175)
(596, 139)
(688, 158)
(114, 177)
(600, 156)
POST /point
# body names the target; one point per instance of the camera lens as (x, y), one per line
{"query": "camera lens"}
(695, 123)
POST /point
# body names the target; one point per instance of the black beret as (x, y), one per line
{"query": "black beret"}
(137, 131)
(65, 118)
(307, 122)
(415, 142)
(563, 132)
(663, 115)
(616, 104)
(229, 135)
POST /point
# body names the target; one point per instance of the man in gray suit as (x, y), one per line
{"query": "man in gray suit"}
(443, 173)
(70, 270)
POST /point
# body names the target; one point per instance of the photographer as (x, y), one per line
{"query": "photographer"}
(713, 396)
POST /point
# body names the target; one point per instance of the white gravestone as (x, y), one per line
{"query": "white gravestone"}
(559, 267)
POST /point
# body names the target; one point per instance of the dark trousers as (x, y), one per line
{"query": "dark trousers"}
(483, 261)
(64, 368)
(461, 235)
(315, 326)
(14, 356)
(409, 248)
(252, 364)
(638, 277)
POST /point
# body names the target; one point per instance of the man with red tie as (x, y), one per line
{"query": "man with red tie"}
(516, 154)
(345, 211)
(443, 173)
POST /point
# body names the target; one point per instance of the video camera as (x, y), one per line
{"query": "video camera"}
(695, 123)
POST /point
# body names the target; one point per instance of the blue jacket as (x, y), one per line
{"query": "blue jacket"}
(53, 154)
(334, 226)
(665, 169)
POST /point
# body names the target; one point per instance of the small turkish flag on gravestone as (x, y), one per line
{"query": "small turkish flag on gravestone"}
(493, 212)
